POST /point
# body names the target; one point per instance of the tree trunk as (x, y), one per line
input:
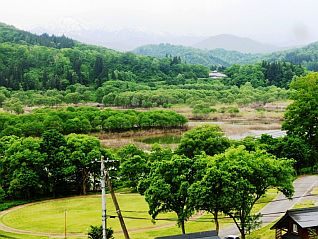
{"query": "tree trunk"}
(182, 227)
(84, 178)
(216, 221)
(242, 230)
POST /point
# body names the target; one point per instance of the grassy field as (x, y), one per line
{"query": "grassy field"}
(269, 112)
(263, 233)
(235, 126)
(48, 216)
(314, 191)
(269, 196)
(18, 236)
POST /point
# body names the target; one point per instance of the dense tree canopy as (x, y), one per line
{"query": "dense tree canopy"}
(236, 179)
(301, 116)
(12, 34)
(307, 56)
(169, 181)
(267, 73)
(85, 120)
(33, 67)
(207, 138)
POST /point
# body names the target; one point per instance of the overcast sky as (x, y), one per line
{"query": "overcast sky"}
(272, 21)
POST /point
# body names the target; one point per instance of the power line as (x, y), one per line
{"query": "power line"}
(265, 202)
(192, 220)
(174, 219)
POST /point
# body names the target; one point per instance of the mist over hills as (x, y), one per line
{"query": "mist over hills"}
(198, 56)
(307, 55)
(235, 43)
(122, 40)
(127, 39)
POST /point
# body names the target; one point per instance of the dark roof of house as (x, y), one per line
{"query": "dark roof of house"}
(196, 235)
(290, 236)
(304, 217)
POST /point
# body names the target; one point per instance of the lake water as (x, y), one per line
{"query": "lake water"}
(233, 130)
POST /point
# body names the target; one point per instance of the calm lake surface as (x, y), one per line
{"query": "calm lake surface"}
(233, 130)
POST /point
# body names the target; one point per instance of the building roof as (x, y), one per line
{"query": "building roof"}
(196, 235)
(304, 217)
(215, 74)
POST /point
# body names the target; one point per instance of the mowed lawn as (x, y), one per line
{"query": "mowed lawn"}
(48, 216)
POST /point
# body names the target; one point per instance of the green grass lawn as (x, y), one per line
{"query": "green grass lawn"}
(314, 191)
(48, 216)
(6, 235)
(305, 204)
(269, 196)
(263, 233)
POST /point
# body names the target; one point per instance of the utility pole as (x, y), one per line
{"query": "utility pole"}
(105, 177)
(102, 182)
(120, 217)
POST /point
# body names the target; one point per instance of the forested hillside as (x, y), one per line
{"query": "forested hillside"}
(266, 73)
(26, 62)
(198, 56)
(14, 35)
(32, 74)
(307, 56)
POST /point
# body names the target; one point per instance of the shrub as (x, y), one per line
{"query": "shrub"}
(96, 232)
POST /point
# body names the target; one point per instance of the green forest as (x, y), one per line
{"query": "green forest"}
(306, 56)
(50, 150)
(49, 70)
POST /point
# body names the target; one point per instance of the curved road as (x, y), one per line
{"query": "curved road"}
(275, 209)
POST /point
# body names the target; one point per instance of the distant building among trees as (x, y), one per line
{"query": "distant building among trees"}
(216, 75)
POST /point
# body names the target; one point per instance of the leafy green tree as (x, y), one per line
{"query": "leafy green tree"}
(207, 138)
(212, 193)
(132, 170)
(53, 147)
(133, 165)
(169, 181)
(23, 168)
(130, 150)
(83, 150)
(291, 147)
(250, 175)
(13, 105)
(201, 109)
(2, 98)
(2, 194)
(301, 116)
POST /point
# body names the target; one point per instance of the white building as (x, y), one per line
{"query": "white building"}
(216, 75)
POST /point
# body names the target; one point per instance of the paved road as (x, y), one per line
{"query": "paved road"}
(303, 187)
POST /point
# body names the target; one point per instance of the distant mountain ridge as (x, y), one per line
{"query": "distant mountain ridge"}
(41, 62)
(235, 43)
(306, 56)
(13, 35)
(198, 56)
(123, 39)
(127, 39)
